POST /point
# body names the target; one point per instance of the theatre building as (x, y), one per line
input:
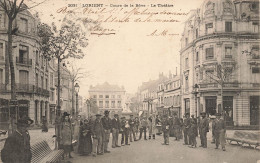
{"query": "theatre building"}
(222, 33)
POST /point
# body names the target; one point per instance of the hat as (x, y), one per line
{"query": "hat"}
(98, 115)
(218, 114)
(65, 114)
(24, 122)
(106, 112)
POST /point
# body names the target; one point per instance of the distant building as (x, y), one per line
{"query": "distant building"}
(108, 97)
(226, 33)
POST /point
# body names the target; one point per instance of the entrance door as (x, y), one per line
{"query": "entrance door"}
(228, 109)
(211, 105)
(254, 110)
(187, 105)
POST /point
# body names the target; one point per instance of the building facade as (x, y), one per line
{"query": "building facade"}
(222, 37)
(108, 97)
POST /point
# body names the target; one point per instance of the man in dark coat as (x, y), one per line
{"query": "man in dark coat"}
(115, 131)
(219, 131)
(131, 129)
(124, 139)
(204, 129)
(97, 129)
(176, 126)
(166, 130)
(186, 127)
(106, 122)
(17, 147)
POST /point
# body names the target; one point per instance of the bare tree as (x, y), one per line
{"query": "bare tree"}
(224, 74)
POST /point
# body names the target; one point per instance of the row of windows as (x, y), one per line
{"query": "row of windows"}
(172, 85)
(172, 100)
(23, 25)
(106, 96)
(113, 104)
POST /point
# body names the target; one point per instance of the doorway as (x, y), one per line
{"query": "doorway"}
(211, 105)
(254, 110)
(228, 110)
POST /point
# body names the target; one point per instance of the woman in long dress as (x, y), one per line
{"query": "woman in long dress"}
(85, 141)
(66, 135)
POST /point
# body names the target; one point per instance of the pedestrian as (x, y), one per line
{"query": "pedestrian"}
(124, 137)
(106, 122)
(44, 124)
(220, 132)
(85, 141)
(97, 135)
(137, 123)
(131, 129)
(144, 125)
(186, 126)
(17, 148)
(166, 130)
(213, 133)
(152, 126)
(193, 133)
(66, 135)
(76, 131)
(158, 125)
(176, 127)
(115, 131)
(127, 132)
(204, 129)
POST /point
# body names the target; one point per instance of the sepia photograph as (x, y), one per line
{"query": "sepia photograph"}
(129, 81)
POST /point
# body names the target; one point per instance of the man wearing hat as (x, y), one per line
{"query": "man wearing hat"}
(17, 146)
(219, 131)
(115, 131)
(176, 126)
(204, 128)
(166, 130)
(97, 129)
(131, 129)
(106, 122)
(186, 125)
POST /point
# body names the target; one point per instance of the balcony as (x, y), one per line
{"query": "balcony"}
(24, 88)
(23, 62)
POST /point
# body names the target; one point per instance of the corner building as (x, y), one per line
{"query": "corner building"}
(222, 32)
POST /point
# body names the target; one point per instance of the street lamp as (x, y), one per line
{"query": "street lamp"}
(77, 97)
(196, 87)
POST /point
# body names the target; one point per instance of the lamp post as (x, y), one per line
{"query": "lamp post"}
(77, 98)
(196, 93)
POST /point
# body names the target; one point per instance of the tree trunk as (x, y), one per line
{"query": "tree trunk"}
(11, 59)
(58, 106)
(7, 66)
(222, 107)
(73, 107)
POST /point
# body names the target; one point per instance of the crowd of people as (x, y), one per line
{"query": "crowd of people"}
(91, 136)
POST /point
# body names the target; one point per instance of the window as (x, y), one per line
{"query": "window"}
(197, 33)
(107, 96)
(1, 51)
(52, 96)
(209, 28)
(186, 41)
(255, 52)
(254, 6)
(24, 25)
(228, 73)
(255, 70)
(36, 80)
(23, 54)
(197, 57)
(113, 96)
(23, 77)
(209, 53)
(101, 104)
(119, 104)
(100, 96)
(228, 52)
(46, 81)
(37, 57)
(210, 74)
(42, 82)
(186, 83)
(228, 26)
(186, 62)
(107, 104)
(51, 80)
(255, 27)
(119, 96)
(201, 75)
(94, 96)
(1, 76)
(113, 104)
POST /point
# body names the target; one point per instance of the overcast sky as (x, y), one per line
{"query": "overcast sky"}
(129, 57)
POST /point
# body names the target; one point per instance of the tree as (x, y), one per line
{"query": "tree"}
(224, 74)
(135, 104)
(93, 108)
(62, 42)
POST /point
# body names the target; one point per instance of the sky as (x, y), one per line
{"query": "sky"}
(132, 55)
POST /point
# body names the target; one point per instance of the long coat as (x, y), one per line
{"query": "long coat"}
(66, 133)
(17, 148)
(85, 142)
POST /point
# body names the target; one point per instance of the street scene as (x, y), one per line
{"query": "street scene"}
(131, 81)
